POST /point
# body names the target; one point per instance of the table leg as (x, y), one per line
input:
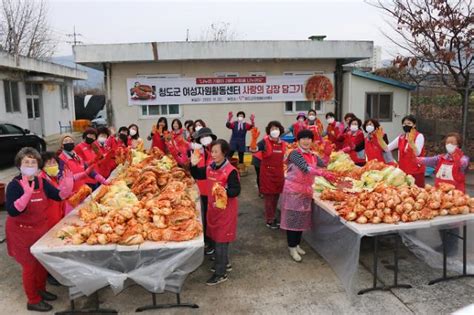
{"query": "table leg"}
(464, 257)
(94, 310)
(395, 271)
(156, 306)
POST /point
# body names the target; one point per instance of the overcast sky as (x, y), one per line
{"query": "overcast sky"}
(144, 21)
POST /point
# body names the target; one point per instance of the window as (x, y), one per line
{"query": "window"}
(379, 106)
(64, 96)
(293, 107)
(257, 74)
(12, 99)
(154, 111)
(33, 100)
(226, 74)
(12, 130)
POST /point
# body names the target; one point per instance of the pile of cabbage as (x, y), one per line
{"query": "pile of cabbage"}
(340, 162)
(390, 176)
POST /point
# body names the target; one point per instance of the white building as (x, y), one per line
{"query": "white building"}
(186, 65)
(35, 94)
(371, 64)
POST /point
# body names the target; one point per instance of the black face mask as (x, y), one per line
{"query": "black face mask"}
(68, 147)
(407, 128)
(89, 140)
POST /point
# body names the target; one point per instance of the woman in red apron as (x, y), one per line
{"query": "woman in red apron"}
(452, 166)
(300, 124)
(85, 149)
(83, 174)
(334, 130)
(200, 157)
(375, 142)
(188, 126)
(315, 125)
(106, 163)
(272, 176)
(297, 193)
(353, 143)
(222, 223)
(157, 134)
(410, 145)
(27, 201)
(177, 144)
(50, 172)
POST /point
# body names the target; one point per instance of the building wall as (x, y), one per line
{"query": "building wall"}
(17, 118)
(354, 100)
(52, 109)
(214, 115)
(51, 104)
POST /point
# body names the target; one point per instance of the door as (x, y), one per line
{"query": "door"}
(33, 105)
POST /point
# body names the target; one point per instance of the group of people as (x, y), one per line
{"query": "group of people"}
(40, 196)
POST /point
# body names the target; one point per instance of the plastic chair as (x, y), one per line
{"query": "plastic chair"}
(64, 128)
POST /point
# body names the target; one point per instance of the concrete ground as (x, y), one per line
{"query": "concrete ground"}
(266, 281)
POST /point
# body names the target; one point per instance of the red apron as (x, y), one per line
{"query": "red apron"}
(55, 208)
(373, 150)
(334, 134)
(86, 153)
(107, 164)
(351, 140)
(76, 165)
(157, 141)
(407, 158)
(316, 132)
(204, 161)
(221, 223)
(25, 229)
(449, 171)
(297, 127)
(272, 175)
(178, 147)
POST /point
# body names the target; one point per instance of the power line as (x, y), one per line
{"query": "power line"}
(74, 35)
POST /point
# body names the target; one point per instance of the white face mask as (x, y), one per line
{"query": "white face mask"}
(311, 117)
(133, 132)
(275, 133)
(102, 140)
(240, 118)
(370, 129)
(330, 120)
(354, 128)
(28, 171)
(451, 148)
(198, 128)
(206, 141)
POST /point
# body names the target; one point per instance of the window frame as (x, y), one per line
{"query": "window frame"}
(64, 98)
(10, 107)
(142, 116)
(313, 103)
(367, 94)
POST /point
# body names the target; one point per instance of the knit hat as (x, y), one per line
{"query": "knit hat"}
(301, 114)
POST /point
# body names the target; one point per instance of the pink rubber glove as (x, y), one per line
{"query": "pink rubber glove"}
(100, 179)
(21, 203)
(229, 118)
(66, 185)
(252, 119)
(321, 172)
(79, 176)
(346, 149)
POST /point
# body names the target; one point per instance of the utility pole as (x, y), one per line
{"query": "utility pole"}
(74, 36)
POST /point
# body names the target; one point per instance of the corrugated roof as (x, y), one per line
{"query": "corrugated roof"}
(373, 77)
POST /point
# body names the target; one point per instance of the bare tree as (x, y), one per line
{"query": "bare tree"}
(219, 32)
(439, 34)
(24, 28)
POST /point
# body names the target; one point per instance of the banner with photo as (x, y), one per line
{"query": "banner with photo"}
(157, 91)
